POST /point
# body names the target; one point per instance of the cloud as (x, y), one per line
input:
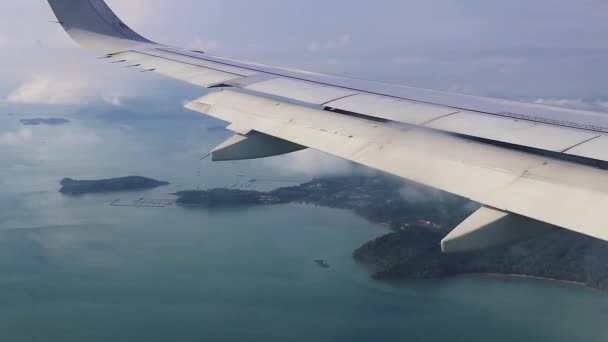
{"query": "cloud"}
(204, 45)
(19, 137)
(138, 12)
(597, 105)
(67, 138)
(414, 193)
(408, 60)
(114, 99)
(504, 61)
(76, 138)
(50, 90)
(126, 127)
(75, 89)
(309, 163)
(342, 43)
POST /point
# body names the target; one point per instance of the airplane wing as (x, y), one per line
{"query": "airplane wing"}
(534, 168)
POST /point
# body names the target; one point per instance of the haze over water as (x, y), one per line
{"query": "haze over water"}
(77, 269)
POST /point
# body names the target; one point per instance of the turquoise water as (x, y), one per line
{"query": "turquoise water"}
(77, 269)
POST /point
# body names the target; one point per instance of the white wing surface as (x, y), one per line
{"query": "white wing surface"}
(533, 167)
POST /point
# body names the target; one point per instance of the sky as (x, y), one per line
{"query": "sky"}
(550, 51)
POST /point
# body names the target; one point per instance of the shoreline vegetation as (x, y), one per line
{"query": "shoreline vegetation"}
(419, 219)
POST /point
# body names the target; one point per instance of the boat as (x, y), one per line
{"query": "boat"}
(322, 263)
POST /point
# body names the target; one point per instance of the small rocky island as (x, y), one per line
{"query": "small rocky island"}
(419, 218)
(71, 186)
(44, 121)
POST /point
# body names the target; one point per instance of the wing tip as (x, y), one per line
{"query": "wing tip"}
(93, 24)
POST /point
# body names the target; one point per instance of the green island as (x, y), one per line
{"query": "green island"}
(71, 186)
(419, 218)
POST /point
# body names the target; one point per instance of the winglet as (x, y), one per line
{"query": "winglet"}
(92, 24)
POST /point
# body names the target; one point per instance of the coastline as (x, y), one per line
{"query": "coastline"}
(410, 249)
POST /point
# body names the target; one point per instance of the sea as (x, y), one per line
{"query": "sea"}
(78, 269)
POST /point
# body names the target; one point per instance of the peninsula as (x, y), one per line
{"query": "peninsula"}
(419, 218)
(71, 186)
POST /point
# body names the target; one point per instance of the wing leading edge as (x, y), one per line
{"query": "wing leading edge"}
(525, 162)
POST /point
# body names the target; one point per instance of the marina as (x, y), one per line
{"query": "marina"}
(143, 202)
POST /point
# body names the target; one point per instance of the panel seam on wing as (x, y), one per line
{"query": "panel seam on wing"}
(581, 143)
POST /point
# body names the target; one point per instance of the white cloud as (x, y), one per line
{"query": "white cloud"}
(115, 99)
(76, 138)
(409, 60)
(414, 193)
(126, 127)
(502, 64)
(313, 46)
(50, 90)
(204, 45)
(598, 105)
(309, 163)
(504, 61)
(342, 43)
(19, 137)
(136, 12)
(76, 89)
